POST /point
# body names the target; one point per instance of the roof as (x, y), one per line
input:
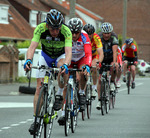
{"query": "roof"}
(4, 59)
(64, 7)
(18, 27)
(35, 5)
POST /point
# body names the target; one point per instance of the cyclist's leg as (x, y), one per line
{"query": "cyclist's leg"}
(124, 68)
(98, 106)
(119, 71)
(59, 95)
(133, 71)
(94, 77)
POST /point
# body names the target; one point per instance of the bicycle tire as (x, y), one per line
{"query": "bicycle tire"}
(67, 111)
(128, 82)
(89, 100)
(83, 115)
(39, 114)
(74, 113)
(102, 95)
(107, 97)
(48, 125)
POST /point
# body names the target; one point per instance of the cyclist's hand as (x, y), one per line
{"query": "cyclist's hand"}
(64, 68)
(86, 70)
(98, 65)
(135, 63)
(27, 65)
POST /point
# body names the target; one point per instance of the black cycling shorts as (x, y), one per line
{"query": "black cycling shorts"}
(129, 59)
(108, 62)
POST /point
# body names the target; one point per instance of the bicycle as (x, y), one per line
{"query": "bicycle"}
(88, 93)
(112, 95)
(71, 102)
(44, 109)
(105, 89)
(129, 63)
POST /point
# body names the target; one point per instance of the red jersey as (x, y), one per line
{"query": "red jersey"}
(82, 48)
(129, 51)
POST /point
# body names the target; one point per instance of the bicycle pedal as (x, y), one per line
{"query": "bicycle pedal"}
(56, 117)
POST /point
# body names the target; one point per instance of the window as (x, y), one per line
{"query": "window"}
(4, 14)
(33, 18)
(43, 16)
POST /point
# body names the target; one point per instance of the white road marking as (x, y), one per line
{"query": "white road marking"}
(5, 127)
(15, 105)
(126, 88)
(14, 125)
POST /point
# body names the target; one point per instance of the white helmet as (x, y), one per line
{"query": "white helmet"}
(106, 27)
(75, 24)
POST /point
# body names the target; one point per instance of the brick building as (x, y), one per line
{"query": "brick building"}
(138, 19)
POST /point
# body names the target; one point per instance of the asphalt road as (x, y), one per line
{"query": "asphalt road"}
(129, 119)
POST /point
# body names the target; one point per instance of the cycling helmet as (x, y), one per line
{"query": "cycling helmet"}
(54, 18)
(89, 29)
(129, 41)
(75, 24)
(106, 27)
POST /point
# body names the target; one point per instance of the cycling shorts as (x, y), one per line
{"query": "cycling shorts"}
(80, 62)
(44, 59)
(108, 62)
(96, 56)
(129, 59)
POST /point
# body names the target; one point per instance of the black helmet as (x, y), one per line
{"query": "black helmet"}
(75, 24)
(129, 41)
(54, 18)
(89, 29)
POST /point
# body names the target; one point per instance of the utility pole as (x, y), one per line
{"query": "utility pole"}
(124, 21)
(72, 9)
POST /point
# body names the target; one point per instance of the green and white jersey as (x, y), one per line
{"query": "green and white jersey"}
(53, 47)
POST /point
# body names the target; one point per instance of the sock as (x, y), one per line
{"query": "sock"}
(94, 87)
(81, 91)
(60, 91)
(38, 119)
(62, 113)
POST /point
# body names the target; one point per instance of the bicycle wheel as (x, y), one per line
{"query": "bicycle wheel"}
(40, 111)
(107, 97)
(74, 113)
(128, 82)
(88, 100)
(102, 95)
(49, 117)
(67, 111)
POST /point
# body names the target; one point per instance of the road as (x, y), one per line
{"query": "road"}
(129, 119)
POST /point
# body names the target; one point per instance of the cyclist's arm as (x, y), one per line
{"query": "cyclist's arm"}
(135, 58)
(31, 50)
(115, 48)
(101, 54)
(68, 53)
(88, 54)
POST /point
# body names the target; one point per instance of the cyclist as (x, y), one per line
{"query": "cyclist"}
(129, 51)
(56, 42)
(119, 61)
(110, 46)
(82, 57)
(97, 54)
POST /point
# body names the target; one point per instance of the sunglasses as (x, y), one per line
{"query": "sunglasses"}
(75, 32)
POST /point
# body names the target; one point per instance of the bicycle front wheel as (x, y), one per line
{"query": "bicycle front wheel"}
(67, 111)
(40, 111)
(89, 100)
(50, 115)
(102, 95)
(128, 82)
